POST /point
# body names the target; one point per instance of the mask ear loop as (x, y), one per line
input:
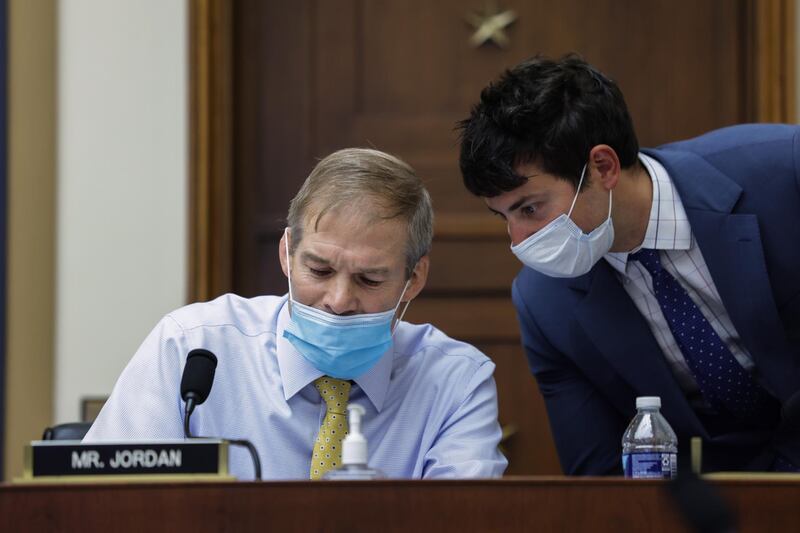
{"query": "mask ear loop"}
(405, 307)
(580, 182)
(288, 267)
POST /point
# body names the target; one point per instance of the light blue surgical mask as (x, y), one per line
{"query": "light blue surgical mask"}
(343, 347)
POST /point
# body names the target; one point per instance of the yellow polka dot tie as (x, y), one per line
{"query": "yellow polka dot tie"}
(328, 447)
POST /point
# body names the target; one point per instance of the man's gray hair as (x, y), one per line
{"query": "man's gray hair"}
(352, 176)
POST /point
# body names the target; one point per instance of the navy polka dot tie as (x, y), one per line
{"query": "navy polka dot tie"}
(724, 383)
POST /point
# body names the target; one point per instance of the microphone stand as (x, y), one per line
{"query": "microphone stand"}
(236, 442)
(187, 413)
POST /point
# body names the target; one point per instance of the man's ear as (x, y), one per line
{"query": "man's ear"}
(282, 253)
(418, 278)
(604, 166)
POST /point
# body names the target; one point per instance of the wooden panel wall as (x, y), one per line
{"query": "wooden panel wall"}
(308, 77)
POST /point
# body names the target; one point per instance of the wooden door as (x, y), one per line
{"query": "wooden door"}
(309, 77)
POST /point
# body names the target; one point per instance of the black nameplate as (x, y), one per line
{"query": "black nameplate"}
(72, 458)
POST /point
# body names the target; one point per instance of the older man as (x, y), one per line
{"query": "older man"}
(355, 252)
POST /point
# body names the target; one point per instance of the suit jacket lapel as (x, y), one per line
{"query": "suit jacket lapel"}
(618, 330)
(731, 247)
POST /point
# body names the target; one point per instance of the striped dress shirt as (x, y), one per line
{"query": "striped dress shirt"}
(669, 231)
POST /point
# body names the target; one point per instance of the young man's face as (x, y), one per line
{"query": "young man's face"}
(352, 264)
(541, 199)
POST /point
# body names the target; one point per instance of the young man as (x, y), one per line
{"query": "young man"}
(671, 272)
(355, 252)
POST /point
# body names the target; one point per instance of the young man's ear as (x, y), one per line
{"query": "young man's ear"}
(418, 278)
(604, 166)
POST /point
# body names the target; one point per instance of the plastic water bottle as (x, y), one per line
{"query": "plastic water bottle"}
(354, 451)
(649, 446)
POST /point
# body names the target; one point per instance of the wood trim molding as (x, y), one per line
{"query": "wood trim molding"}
(211, 148)
(468, 226)
(31, 196)
(770, 55)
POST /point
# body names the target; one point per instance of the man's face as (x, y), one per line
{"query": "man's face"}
(352, 264)
(541, 199)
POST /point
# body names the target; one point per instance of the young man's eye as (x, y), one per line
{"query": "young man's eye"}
(528, 210)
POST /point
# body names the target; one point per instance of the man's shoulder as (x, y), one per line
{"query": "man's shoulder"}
(534, 289)
(550, 302)
(252, 316)
(425, 343)
(738, 137)
(748, 157)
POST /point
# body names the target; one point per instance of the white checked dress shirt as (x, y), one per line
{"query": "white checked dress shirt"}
(430, 401)
(669, 232)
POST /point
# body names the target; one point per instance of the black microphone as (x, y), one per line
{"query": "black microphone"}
(198, 376)
(196, 382)
(699, 503)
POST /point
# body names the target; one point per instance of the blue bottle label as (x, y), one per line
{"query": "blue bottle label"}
(650, 465)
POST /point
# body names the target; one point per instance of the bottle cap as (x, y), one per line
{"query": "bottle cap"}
(644, 402)
(354, 445)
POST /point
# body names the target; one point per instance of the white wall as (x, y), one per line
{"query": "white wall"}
(122, 180)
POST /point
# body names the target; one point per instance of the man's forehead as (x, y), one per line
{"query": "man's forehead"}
(361, 266)
(528, 168)
(358, 260)
(368, 241)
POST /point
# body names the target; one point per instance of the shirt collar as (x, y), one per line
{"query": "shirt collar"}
(297, 372)
(668, 227)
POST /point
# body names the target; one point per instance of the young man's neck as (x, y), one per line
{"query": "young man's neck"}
(633, 199)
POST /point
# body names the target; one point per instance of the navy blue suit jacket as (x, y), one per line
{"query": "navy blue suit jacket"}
(593, 353)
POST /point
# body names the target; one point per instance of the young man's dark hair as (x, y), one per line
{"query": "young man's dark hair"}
(550, 112)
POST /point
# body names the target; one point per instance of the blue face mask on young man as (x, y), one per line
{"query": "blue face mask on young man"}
(342, 347)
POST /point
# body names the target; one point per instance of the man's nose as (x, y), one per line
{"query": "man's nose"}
(340, 297)
(517, 232)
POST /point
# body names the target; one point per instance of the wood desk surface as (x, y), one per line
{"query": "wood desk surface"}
(509, 504)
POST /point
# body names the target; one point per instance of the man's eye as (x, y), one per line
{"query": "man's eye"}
(319, 273)
(528, 210)
(371, 282)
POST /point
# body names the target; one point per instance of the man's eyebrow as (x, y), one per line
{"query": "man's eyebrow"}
(515, 205)
(376, 270)
(314, 257)
(310, 256)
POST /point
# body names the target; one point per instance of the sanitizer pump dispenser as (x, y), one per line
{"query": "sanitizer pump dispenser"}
(354, 451)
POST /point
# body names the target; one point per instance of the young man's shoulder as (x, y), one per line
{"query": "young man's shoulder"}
(738, 137)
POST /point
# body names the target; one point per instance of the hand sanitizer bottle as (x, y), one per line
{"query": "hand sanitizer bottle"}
(354, 451)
